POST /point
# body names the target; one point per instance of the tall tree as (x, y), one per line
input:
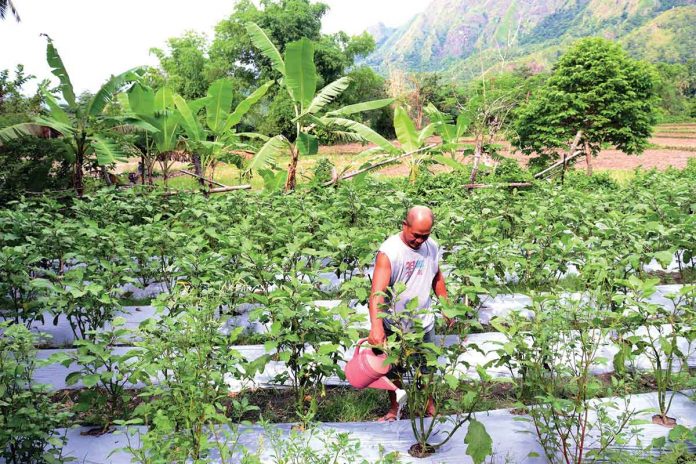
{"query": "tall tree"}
(82, 126)
(597, 94)
(185, 64)
(299, 79)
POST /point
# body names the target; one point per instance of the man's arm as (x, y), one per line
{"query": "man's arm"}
(441, 292)
(439, 286)
(380, 282)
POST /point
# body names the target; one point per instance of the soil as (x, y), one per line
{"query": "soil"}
(419, 451)
(665, 421)
(658, 158)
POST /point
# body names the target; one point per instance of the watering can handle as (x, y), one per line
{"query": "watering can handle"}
(357, 347)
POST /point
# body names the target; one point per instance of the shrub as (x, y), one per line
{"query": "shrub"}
(28, 417)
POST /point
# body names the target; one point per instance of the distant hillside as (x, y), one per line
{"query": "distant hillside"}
(461, 37)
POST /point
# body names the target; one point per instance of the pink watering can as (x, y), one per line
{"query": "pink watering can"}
(368, 370)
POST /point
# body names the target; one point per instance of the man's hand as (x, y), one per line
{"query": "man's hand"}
(450, 321)
(377, 336)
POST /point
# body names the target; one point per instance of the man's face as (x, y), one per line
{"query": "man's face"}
(417, 233)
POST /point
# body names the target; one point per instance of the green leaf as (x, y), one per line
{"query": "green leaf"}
(263, 43)
(479, 443)
(364, 132)
(90, 380)
(141, 99)
(307, 144)
(405, 130)
(72, 378)
(360, 107)
(664, 258)
(107, 91)
(108, 152)
(328, 94)
(221, 93)
(447, 161)
(57, 112)
(58, 69)
(18, 131)
(266, 155)
(300, 72)
(188, 120)
(245, 105)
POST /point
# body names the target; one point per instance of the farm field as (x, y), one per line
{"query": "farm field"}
(202, 306)
(266, 249)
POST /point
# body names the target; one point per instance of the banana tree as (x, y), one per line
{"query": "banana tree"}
(84, 127)
(210, 143)
(412, 143)
(158, 112)
(300, 81)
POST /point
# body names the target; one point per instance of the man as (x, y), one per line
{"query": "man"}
(412, 258)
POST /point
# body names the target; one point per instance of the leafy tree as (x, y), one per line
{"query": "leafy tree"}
(27, 163)
(300, 79)
(215, 140)
(285, 21)
(157, 111)
(597, 94)
(185, 64)
(233, 55)
(12, 101)
(81, 126)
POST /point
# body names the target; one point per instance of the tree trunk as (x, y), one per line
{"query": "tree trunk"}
(196, 158)
(588, 158)
(478, 151)
(292, 169)
(78, 175)
(573, 147)
(105, 176)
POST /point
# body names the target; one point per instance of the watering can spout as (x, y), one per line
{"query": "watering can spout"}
(383, 383)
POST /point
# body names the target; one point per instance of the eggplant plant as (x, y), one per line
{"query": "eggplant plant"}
(434, 377)
(309, 338)
(28, 418)
(572, 422)
(188, 361)
(664, 336)
(103, 371)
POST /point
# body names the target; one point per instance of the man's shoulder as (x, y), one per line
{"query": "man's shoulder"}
(433, 243)
(390, 245)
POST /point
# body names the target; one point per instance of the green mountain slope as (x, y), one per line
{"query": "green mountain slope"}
(462, 37)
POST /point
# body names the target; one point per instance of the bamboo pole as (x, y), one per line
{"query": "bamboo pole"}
(202, 178)
(565, 159)
(206, 192)
(510, 185)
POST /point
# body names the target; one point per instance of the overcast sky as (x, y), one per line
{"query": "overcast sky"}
(97, 38)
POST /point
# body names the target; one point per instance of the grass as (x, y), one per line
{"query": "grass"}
(230, 175)
(621, 176)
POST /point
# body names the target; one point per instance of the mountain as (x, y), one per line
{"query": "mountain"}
(462, 37)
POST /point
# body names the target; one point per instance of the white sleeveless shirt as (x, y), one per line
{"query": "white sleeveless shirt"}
(416, 269)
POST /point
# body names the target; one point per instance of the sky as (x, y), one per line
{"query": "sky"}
(98, 38)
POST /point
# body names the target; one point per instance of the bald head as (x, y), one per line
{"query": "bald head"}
(421, 216)
(417, 225)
